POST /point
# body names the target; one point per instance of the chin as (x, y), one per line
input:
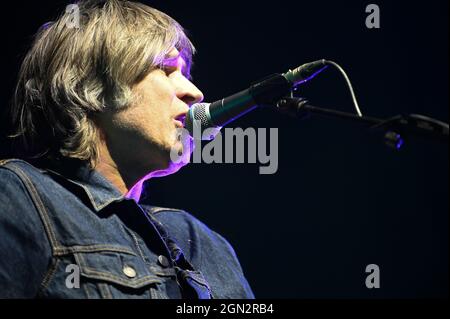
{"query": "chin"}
(173, 162)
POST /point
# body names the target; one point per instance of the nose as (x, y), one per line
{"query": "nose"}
(188, 92)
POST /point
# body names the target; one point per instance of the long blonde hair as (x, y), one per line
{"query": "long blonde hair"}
(73, 72)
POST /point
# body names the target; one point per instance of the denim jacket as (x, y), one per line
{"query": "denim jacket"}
(66, 232)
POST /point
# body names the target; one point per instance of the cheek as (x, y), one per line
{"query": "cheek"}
(155, 92)
(147, 123)
(151, 112)
(155, 109)
(142, 124)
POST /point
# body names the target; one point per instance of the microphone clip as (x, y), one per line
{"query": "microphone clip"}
(294, 107)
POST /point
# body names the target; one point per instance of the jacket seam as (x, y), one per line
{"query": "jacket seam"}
(37, 201)
(62, 251)
(158, 210)
(138, 246)
(38, 204)
(48, 276)
(105, 292)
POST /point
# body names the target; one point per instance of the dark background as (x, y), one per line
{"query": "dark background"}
(341, 199)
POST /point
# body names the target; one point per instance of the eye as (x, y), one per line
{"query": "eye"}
(168, 69)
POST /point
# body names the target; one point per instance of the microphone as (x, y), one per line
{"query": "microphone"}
(215, 115)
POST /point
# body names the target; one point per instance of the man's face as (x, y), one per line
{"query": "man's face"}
(145, 132)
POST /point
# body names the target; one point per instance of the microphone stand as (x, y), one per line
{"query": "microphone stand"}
(395, 129)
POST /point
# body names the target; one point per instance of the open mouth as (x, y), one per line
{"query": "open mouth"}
(179, 120)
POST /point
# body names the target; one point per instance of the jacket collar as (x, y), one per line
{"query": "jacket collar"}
(98, 189)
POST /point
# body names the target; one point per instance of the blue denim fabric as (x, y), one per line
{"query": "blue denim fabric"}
(67, 215)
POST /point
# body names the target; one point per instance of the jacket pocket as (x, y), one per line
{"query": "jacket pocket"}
(107, 274)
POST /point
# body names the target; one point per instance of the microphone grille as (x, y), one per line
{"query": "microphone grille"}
(197, 113)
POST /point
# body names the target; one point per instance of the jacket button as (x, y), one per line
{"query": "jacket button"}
(129, 272)
(163, 261)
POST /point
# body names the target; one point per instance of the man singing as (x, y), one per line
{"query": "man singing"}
(99, 99)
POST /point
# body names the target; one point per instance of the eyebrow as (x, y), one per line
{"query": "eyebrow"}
(171, 60)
